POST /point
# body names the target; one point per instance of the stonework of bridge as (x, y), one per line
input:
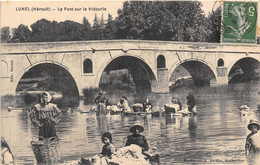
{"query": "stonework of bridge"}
(142, 59)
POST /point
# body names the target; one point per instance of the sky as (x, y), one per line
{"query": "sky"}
(12, 17)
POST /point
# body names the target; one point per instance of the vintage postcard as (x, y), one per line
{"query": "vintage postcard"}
(130, 82)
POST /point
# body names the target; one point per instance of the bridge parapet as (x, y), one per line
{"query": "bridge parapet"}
(124, 45)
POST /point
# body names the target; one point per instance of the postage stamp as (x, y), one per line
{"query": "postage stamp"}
(239, 20)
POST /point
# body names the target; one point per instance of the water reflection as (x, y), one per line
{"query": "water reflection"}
(193, 127)
(103, 124)
(218, 132)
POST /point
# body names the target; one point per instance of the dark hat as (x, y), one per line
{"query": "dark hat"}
(253, 122)
(133, 128)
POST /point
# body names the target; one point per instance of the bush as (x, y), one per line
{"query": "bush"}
(29, 99)
(89, 94)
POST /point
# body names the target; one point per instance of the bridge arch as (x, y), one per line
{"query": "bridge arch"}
(131, 63)
(28, 67)
(246, 66)
(188, 65)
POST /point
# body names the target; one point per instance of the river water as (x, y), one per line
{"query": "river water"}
(216, 134)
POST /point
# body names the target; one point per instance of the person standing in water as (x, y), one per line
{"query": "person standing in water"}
(191, 102)
(102, 104)
(147, 106)
(252, 145)
(46, 115)
(101, 99)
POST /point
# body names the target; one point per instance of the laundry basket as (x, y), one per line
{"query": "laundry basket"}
(46, 151)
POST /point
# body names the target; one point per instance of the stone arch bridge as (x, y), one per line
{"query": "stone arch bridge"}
(151, 63)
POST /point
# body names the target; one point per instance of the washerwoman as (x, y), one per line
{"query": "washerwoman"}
(252, 145)
(45, 116)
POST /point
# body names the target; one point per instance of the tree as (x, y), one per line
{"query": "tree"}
(109, 18)
(96, 24)
(110, 28)
(86, 29)
(124, 21)
(157, 20)
(44, 31)
(5, 34)
(102, 22)
(97, 31)
(71, 31)
(214, 21)
(21, 34)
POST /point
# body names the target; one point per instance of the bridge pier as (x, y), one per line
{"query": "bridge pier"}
(162, 85)
(222, 77)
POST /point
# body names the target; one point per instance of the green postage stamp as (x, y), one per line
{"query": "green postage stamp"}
(239, 22)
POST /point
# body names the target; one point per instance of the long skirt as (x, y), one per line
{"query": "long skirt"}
(192, 108)
(48, 129)
(102, 109)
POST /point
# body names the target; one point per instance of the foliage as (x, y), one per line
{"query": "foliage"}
(89, 94)
(70, 31)
(110, 28)
(102, 22)
(97, 29)
(52, 78)
(44, 31)
(86, 29)
(5, 34)
(21, 34)
(29, 99)
(58, 81)
(214, 21)
(157, 20)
